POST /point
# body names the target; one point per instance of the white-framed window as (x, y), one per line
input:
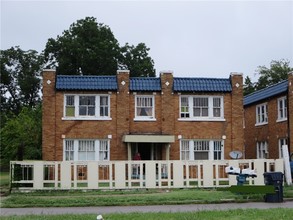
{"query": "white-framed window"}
(69, 150)
(201, 150)
(262, 150)
(201, 108)
(184, 107)
(282, 141)
(262, 114)
(69, 106)
(104, 150)
(144, 107)
(282, 108)
(184, 150)
(218, 151)
(86, 107)
(86, 150)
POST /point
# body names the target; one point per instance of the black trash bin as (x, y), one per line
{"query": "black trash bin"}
(275, 179)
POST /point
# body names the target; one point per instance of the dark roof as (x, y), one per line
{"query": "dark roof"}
(71, 82)
(202, 85)
(145, 84)
(265, 93)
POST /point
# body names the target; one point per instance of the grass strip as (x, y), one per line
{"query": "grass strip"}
(238, 214)
(89, 199)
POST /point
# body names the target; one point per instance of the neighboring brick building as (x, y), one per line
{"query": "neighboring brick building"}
(268, 117)
(113, 117)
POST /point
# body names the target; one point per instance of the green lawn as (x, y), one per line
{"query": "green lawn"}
(129, 197)
(239, 214)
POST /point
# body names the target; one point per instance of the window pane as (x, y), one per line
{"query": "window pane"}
(196, 112)
(184, 111)
(205, 112)
(69, 106)
(201, 155)
(69, 111)
(103, 152)
(91, 110)
(201, 150)
(69, 150)
(200, 107)
(86, 150)
(217, 150)
(82, 110)
(184, 150)
(87, 105)
(104, 106)
(217, 107)
(144, 106)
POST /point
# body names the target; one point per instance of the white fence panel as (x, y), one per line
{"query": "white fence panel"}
(135, 174)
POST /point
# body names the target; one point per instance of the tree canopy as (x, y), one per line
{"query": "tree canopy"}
(136, 60)
(20, 79)
(90, 48)
(21, 136)
(277, 72)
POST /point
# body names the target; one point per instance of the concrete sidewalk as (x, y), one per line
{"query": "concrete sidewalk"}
(126, 209)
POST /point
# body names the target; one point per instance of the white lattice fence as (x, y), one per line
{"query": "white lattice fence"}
(134, 174)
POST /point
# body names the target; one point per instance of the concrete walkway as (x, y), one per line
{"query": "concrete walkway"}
(126, 209)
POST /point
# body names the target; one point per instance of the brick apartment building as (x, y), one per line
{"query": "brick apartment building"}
(164, 118)
(268, 117)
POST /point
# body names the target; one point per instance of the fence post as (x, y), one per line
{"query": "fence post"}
(208, 172)
(65, 175)
(38, 177)
(178, 173)
(120, 177)
(93, 175)
(150, 174)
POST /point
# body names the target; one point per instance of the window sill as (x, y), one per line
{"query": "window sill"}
(145, 119)
(202, 119)
(281, 119)
(85, 119)
(260, 124)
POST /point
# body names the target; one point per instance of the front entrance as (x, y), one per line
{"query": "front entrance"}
(148, 151)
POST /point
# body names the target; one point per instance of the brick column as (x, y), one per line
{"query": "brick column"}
(168, 114)
(122, 114)
(167, 102)
(290, 111)
(48, 116)
(237, 133)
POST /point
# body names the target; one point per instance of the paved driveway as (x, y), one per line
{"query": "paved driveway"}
(127, 209)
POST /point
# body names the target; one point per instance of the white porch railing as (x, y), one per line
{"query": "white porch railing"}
(40, 175)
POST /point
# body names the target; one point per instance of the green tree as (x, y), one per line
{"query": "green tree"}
(277, 72)
(90, 48)
(21, 136)
(249, 86)
(87, 47)
(136, 60)
(20, 79)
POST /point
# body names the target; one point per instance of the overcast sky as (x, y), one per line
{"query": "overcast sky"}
(191, 38)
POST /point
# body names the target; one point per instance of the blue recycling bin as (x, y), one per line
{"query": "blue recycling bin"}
(241, 179)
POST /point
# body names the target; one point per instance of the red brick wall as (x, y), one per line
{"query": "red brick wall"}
(290, 107)
(237, 112)
(122, 113)
(48, 116)
(271, 132)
